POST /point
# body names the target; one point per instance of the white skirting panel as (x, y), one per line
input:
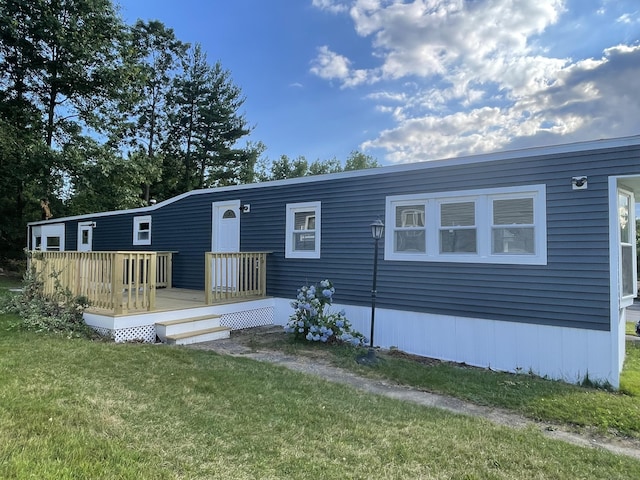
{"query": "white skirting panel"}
(561, 353)
(141, 326)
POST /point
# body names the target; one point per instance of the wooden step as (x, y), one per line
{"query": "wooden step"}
(198, 336)
(169, 328)
(168, 323)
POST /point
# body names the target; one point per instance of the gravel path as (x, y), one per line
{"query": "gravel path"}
(240, 345)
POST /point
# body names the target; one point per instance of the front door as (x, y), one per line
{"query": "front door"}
(225, 235)
(85, 236)
(225, 238)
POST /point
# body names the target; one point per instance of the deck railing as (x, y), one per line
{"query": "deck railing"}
(235, 275)
(115, 281)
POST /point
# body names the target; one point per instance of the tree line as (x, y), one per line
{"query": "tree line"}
(98, 115)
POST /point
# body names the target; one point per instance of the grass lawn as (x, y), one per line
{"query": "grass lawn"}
(607, 412)
(76, 409)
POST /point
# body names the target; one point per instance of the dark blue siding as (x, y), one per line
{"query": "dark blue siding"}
(571, 290)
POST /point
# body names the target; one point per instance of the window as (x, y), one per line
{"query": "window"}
(513, 229)
(53, 244)
(409, 232)
(627, 245)
(142, 230)
(303, 230)
(458, 227)
(503, 225)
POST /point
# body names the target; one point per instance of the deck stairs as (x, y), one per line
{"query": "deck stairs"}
(185, 331)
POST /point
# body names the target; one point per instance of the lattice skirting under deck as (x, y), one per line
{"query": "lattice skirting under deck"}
(247, 318)
(236, 321)
(143, 333)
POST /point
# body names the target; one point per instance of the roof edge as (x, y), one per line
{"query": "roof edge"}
(574, 147)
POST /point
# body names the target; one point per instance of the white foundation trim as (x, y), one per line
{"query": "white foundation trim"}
(141, 326)
(560, 353)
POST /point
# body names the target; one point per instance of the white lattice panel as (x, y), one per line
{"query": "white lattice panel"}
(248, 318)
(145, 333)
(104, 332)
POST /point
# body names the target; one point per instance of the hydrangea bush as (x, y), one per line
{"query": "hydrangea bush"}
(313, 321)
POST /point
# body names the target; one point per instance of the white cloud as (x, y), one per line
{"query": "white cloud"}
(626, 18)
(330, 65)
(482, 78)
(591, 99)
(332, 6)
(333, 66)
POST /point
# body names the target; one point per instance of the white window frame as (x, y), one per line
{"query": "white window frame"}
(626, 299)
(137, 222)
(483, 199)
(47, 232)
(291, 210)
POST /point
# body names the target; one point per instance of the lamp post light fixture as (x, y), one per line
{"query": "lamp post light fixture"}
(377, 232)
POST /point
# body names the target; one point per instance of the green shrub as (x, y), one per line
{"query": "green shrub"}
(59, 313)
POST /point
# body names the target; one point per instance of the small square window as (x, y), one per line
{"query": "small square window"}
(303, 234)
(142, 230)
(53, 244)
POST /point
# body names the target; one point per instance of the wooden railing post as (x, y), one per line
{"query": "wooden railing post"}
(117, 282)
(208, 287)
(262, 267)
(169, 269)
(153, 259)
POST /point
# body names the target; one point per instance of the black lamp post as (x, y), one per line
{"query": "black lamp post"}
(377, 232)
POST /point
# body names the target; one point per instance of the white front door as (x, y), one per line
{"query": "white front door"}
(225, 235)
(85, 236)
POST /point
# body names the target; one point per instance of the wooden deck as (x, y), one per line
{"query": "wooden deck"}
(171, 299)
(178, 299)
(131, 282)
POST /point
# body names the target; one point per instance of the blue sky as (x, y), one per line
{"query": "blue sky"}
(408, 81)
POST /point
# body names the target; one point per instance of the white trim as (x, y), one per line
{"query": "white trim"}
(561, 353)
(81, 227)
(627, 300)
(50, 230)
(424, 165)
(483, 199)
(137, 221)
(291, 210)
